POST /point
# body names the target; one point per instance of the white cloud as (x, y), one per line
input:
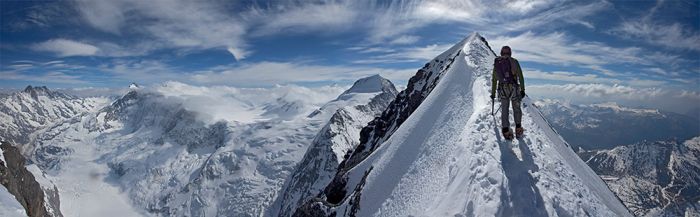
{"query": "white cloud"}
(270, 73)
(166, 24)
(589, 78)
(104, 15)
(566, 76)
(680, 101)
(304, 17)
(51, 77)
(674, 35)
(656, 32)
(65, 47)
(559, 49)
(228, 103)
(524, 6)
(405, 39)
(409, 54)
(211, 24)
(554, 15)
(238, 54)
(95, 91)
(453, 10)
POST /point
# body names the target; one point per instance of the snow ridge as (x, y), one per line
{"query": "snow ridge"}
(336, 138)
(436, 151)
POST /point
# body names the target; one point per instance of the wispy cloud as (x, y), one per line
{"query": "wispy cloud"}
(560, 49)
(571, 77)
(53, 77)
(270, 73)
(674, 36)
(555, 15)
(168, 24)
(210, 24)
(407, 54)
(214, 103)
(653, 31)
(65, 47)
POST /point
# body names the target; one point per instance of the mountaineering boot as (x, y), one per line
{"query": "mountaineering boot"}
(519, 131)
(507, 134)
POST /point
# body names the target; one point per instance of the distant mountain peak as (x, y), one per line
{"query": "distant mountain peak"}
(31, 89)
(134, 86)
(36, 91)
(372, 84)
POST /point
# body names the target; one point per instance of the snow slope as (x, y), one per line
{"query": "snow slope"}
(152, 153)
(336, 138)
(448, 159)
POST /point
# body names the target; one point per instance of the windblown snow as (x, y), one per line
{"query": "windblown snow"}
(448, 158)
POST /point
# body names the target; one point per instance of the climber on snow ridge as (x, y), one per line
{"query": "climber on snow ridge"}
(508, 77)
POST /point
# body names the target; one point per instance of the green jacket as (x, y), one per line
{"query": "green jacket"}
(515, 68)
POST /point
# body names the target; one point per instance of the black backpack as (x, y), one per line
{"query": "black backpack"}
(503, 70)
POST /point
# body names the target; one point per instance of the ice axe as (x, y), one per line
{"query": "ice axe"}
(492, 107)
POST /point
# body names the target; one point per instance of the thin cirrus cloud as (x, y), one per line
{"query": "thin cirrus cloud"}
(267, 73)
(55, 77)
(672, 36)
(64, 47)
(559, 49)
(178, 24)
(210, 24)
(653, 29)
(571, 77)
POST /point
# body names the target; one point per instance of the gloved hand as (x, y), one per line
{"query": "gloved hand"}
(522, 94)
(492, 97)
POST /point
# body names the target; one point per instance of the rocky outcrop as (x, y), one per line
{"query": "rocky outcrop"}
(36, 199)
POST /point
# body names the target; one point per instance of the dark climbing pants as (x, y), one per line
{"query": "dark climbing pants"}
(508, 94)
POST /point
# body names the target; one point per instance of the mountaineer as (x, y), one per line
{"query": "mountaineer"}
(508, 78)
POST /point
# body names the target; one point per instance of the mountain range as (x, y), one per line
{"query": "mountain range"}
(432, 149)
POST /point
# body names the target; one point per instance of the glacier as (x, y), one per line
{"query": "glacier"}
(152, 153)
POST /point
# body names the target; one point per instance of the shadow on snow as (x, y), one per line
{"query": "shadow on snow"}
(521, 197)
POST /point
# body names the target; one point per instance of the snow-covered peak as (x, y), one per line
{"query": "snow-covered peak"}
(371, 84)
(134, 86)
(437, 151)
(33, 108)
(37, 91)
(360, 93)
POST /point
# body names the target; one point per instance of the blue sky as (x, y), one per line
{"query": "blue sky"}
(627, 51)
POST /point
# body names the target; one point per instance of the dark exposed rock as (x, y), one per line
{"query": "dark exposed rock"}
(21, 183)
